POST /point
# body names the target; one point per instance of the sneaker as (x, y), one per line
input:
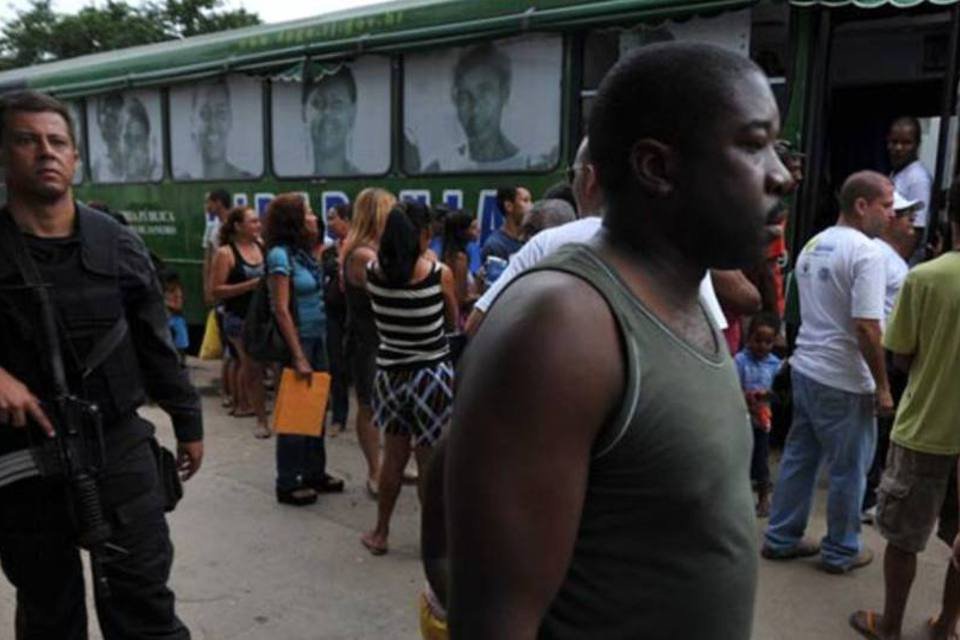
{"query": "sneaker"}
(869, 516)
(863, 558)
(803, 549)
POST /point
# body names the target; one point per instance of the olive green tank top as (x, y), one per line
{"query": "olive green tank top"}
(666, 547)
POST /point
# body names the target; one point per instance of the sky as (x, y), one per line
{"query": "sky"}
(269, 10)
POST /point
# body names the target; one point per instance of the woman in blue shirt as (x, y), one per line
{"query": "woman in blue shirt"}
(294, 276)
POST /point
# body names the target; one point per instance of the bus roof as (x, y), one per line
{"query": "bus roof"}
(390, 26)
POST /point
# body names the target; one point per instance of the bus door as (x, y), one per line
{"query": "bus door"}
(883, 64)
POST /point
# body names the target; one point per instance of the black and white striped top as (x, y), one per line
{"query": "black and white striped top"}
(410, 321)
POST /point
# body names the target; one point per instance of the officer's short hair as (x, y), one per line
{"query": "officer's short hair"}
(34, 102)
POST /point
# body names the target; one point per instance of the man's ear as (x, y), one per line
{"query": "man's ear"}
(654, 166)
(860, 206)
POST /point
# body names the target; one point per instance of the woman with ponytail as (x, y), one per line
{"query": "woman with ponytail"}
(414, 304)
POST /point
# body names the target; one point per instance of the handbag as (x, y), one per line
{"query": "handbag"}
(212, 346)
(262, 338)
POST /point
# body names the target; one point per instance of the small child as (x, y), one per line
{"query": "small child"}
(173, 299)
(757, 367)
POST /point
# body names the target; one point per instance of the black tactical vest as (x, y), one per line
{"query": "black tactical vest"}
(88, 300)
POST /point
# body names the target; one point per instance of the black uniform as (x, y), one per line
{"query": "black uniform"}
(99, 273)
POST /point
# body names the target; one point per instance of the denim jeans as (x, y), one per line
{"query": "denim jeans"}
(302, 460)
(838, 428)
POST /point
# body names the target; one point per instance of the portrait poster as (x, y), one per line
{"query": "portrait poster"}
(334, 123)
(492, 106)
(125, 134)
(76, 116)
(216, 129)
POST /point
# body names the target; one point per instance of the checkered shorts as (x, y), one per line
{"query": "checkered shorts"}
(416, 402)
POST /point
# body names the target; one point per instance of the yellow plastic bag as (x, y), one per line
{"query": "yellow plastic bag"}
(212, 346)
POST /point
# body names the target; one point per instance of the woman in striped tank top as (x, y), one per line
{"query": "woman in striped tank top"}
(414, 304)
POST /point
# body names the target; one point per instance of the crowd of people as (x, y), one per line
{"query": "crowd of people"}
(623, 480)
(340, 303)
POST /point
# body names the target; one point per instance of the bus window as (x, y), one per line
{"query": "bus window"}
(603, 47)
(488, 107)
(336, 124)
(125, 136)
(216, 129)
(76, 115)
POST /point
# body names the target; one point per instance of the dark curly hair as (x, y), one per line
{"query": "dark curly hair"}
(285, 223)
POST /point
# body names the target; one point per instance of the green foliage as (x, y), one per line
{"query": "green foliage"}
(39, 34)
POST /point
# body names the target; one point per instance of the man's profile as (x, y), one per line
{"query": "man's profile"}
(329, 113)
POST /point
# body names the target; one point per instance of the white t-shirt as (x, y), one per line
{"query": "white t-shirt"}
(914, 182)
(895, 268)
(547, 242)
(840, 276)
(211, 234)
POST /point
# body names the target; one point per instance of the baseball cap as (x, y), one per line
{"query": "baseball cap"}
(901, 204)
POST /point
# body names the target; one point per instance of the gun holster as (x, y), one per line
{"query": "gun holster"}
(169, 478)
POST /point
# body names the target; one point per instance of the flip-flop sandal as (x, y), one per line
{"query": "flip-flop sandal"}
(261, 432)
(865, 622)
(932, 622)
(372, 489)
(372, 548)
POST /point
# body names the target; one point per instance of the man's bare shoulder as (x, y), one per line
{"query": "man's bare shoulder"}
(554, 331)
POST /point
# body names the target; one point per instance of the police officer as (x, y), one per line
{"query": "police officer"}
(97, 272)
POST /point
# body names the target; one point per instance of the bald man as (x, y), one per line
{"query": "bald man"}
(839, 380)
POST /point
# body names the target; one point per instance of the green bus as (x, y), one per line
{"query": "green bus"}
(446, 100)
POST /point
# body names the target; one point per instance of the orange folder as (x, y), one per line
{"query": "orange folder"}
(301, 404)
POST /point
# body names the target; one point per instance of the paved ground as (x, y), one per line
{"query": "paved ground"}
(249, 569)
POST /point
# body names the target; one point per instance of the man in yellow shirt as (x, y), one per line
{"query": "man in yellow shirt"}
(918, 485)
